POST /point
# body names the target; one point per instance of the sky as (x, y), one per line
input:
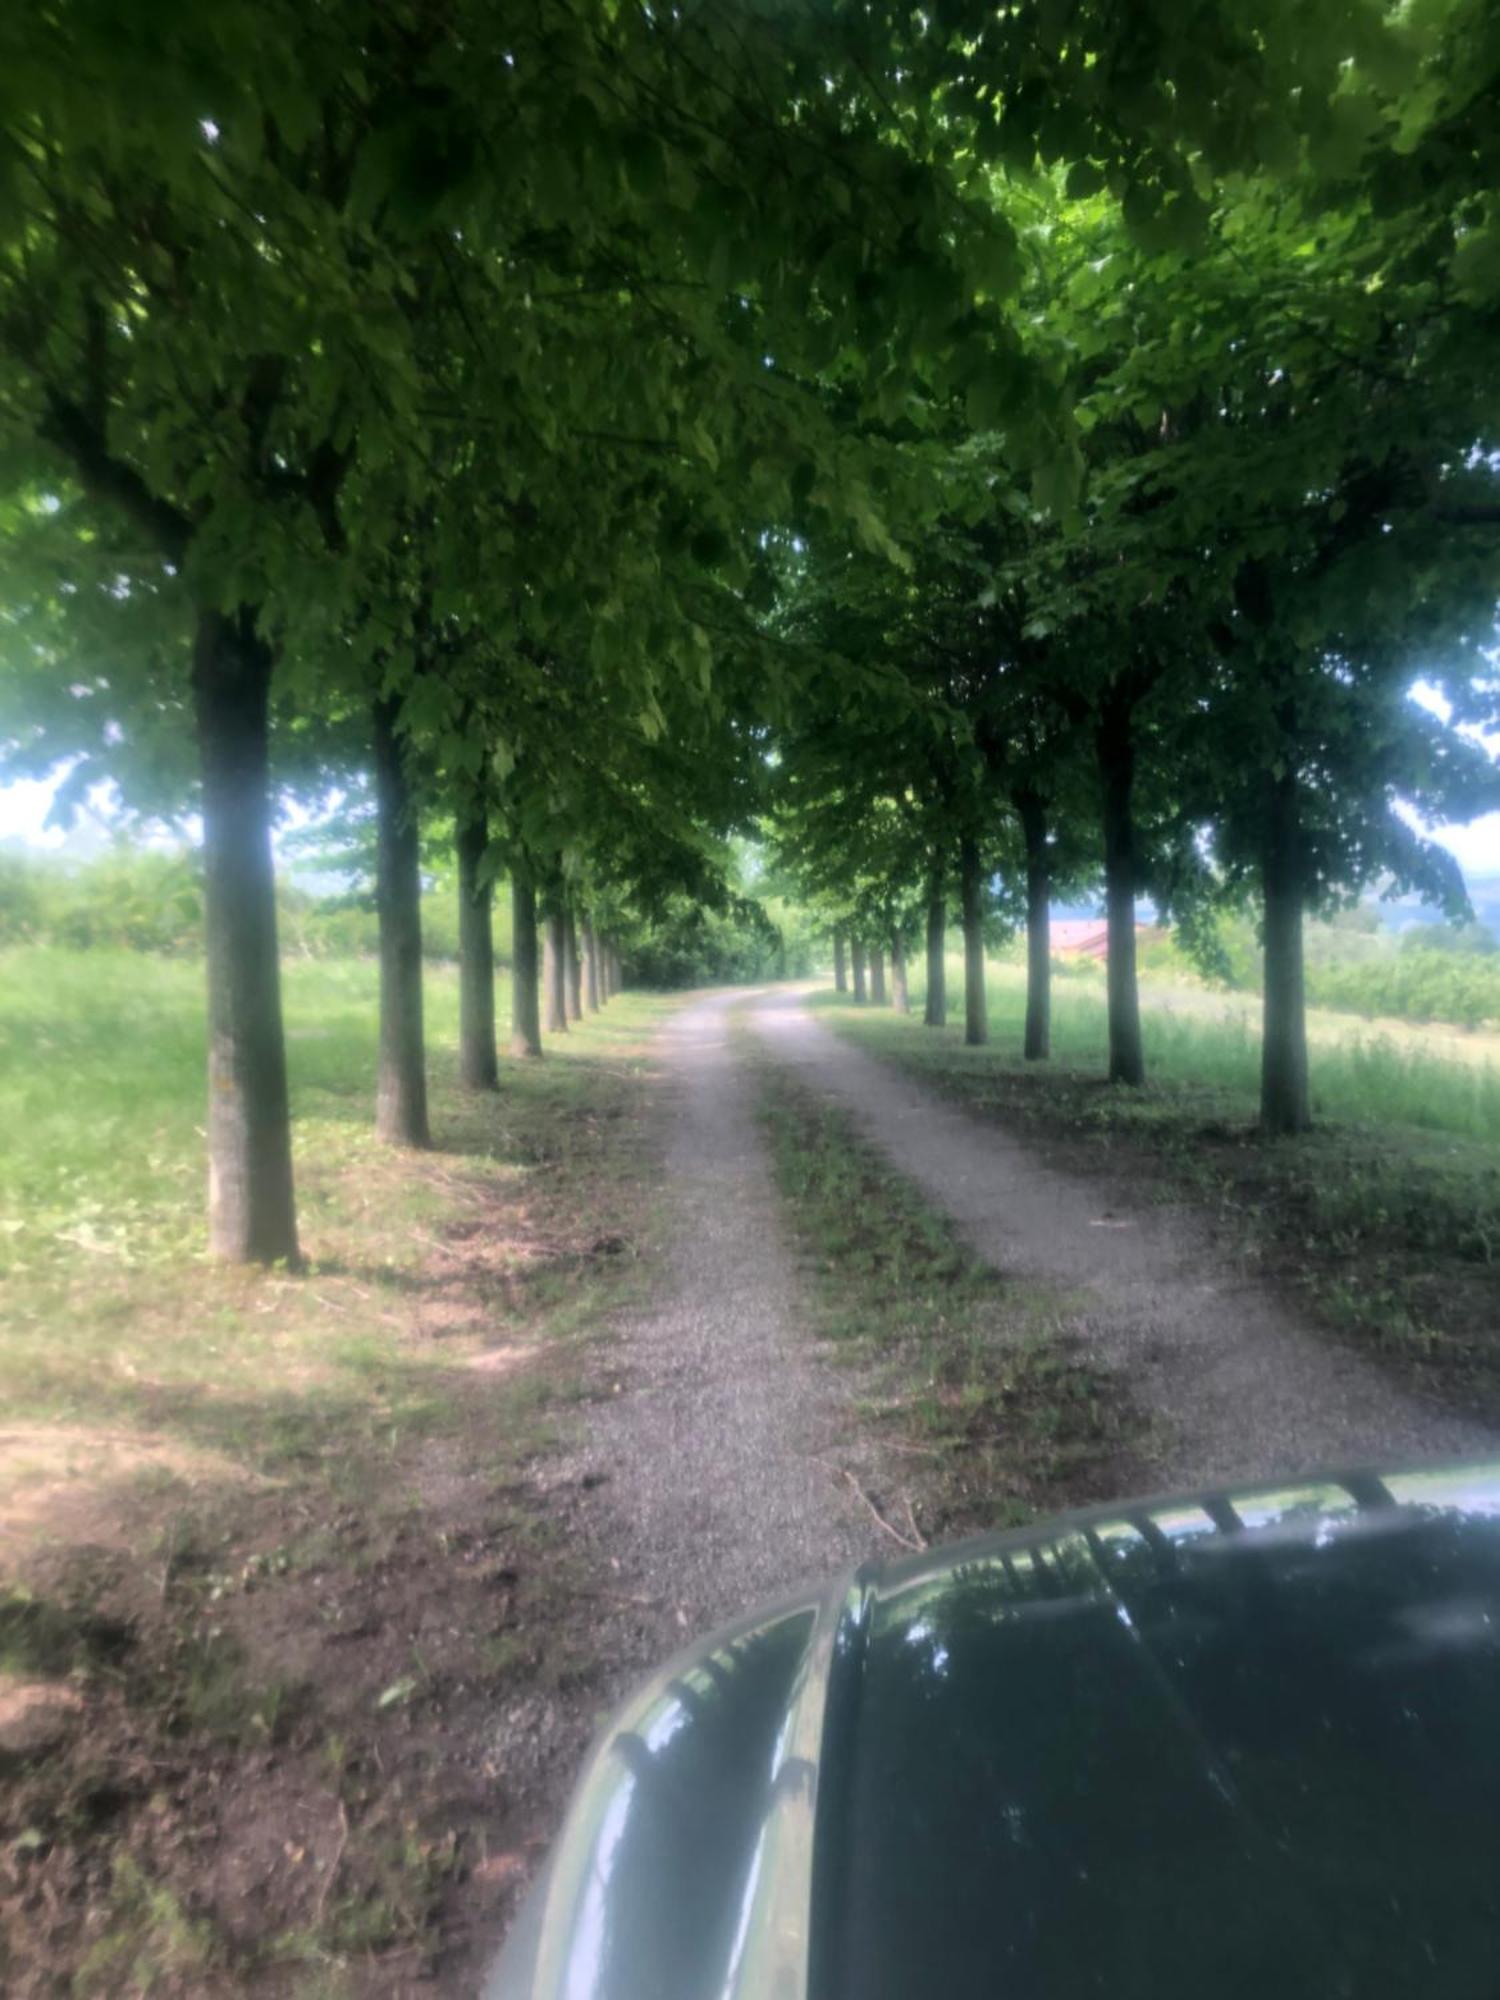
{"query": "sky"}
(24, 807)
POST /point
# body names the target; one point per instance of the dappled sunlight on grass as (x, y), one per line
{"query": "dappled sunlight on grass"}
(111, 1312)
(275, 1548)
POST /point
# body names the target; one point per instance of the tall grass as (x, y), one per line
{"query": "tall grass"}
(1363, 1077)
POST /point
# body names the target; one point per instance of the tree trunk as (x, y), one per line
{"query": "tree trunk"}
(554, 972)
(971, 884)
(401, 1083)
(572, 967)
(478, 1064)
(1284, 1105)
(525, 1011)
(590, 969)
(1115, 746)
(900, 993)
(877, 976)
(252, 1215)
(840, 970)
(1038, 1043)
(616, 970)
(857, 966)
(935, 1013)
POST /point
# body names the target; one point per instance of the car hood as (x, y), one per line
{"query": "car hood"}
(1231, 1744)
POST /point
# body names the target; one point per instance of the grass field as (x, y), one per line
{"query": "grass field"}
(1386, 1073)
(1386, 1218)
(271, 1558)
(101, 1078)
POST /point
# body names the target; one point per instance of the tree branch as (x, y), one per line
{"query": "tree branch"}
(107, 478)
(326, 471)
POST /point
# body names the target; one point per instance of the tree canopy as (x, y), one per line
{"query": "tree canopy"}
(990, 452)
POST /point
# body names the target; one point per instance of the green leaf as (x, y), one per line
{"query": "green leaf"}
(1476, 263)
(1056, 482)
(995, 260)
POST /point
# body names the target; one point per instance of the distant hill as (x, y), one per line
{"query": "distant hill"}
(1406, 912)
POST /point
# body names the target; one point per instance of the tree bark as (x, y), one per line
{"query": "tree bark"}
(1038, 1042)
(877, 976)
(401, 1083)
(857, 968)
(1284, 1101)
(554, 971)
(971, 885)
(840, 970)
(935, 1013)
(252, 1215)
(590, 968)
(1115, 748)
(525, 1010)
(478, 1062)
(900, 992)
(572, 967)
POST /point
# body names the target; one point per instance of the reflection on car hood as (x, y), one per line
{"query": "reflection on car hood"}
(1234, 1745)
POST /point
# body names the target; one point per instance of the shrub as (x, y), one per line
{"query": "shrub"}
(142, 899)
(688, 945)
(132, 897)
(1415, 984)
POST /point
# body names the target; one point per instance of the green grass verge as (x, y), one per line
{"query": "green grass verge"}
(1198, 1040)
(111, 1309)
(102, 1078)
(1386, 1218)
(269, 1544)
(976, 1382)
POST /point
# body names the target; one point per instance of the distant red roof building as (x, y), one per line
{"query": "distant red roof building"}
(1088, 937)
(1080, 937)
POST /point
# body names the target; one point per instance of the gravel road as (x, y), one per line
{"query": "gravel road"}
(715, 1468)
(708, 1481)
(720, 1452)
(1238, 1389)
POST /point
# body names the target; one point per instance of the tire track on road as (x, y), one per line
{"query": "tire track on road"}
(1239, 1388)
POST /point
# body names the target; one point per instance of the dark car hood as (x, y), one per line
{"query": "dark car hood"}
(1227, 1745)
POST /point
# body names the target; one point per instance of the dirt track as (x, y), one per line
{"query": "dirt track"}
(720, 1453)
(722, 1448)
(1237, 1389)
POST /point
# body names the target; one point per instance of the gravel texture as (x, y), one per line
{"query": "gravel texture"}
(1237, 1388)
(721, 1453)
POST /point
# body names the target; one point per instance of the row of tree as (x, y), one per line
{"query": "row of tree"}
(946, 435)
(1194, 678)
(562, 968)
